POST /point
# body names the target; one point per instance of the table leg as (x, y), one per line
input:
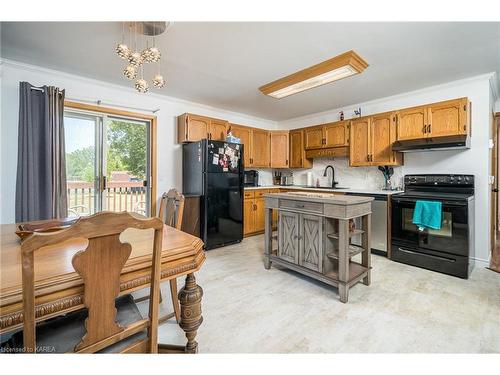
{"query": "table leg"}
(344, 260)
(191, 319)
(268, 233)
(366, 243)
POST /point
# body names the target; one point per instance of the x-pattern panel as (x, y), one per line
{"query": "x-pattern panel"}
(311, 241)
(288, 236)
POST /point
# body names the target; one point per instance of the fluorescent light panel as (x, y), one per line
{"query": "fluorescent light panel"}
(331, 70)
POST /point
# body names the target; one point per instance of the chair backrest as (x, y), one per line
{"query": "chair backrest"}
(172, 208)
(100, 266)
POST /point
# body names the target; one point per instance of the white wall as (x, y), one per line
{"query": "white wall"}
(169, 153)
(473, 161)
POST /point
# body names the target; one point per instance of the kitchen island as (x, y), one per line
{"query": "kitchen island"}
(313, 237)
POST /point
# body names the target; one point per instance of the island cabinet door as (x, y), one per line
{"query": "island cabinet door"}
(311, 242)
(288, 236)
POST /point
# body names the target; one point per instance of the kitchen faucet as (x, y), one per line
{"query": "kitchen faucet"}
(333, 175)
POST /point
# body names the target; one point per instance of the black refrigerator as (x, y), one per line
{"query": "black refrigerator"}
(213, 170)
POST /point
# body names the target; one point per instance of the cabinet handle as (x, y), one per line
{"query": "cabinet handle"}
(424, 130)
(286, 161)
(429, 128)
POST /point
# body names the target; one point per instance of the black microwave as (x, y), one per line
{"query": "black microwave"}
(251, 178)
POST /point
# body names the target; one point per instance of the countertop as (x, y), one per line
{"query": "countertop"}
(349, 190)
(337, 199)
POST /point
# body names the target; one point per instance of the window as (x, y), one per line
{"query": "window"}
(109, 160)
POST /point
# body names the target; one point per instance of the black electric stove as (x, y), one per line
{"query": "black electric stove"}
(448, 250)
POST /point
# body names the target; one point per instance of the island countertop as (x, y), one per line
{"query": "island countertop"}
(343, 200)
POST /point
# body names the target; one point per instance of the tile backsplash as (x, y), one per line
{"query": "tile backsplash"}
(346, 176)
(349, 177)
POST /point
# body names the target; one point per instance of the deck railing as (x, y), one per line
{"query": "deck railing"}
(118, 196)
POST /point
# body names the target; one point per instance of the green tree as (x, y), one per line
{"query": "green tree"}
(80, 164)
(127, 148)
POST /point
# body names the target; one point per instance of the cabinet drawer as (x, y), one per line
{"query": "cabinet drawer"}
(249, 194)
(260, 193)
(301, 205)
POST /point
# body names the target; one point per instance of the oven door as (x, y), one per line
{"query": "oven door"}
(451, 238)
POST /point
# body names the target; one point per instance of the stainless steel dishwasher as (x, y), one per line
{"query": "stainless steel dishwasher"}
(379, 223)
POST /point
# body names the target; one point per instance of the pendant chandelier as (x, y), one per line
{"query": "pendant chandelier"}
(145, 32)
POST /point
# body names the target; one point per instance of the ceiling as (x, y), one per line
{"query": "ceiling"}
(223, 64)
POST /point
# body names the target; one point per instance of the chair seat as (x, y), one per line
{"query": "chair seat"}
(62, 334)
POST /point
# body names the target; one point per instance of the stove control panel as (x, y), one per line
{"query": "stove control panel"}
(439, 180)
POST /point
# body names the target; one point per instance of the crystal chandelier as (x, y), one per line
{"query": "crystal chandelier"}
(150, 54)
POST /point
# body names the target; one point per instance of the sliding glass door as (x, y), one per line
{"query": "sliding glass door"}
(108, 163)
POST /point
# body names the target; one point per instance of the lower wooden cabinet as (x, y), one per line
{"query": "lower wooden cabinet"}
(300, 239)
(254, 211)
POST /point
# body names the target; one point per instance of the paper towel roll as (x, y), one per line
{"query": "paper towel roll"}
(310, 180)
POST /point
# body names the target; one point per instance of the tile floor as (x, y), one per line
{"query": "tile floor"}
(248, 309)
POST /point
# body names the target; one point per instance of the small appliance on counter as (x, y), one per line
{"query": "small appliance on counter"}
(283, 178)
(448, 250)
(251, 178)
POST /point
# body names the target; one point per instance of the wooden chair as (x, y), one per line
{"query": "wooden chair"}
(171, 212)
(111, 324)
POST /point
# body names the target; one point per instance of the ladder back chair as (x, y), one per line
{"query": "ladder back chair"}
(109, 324)
(171, 213)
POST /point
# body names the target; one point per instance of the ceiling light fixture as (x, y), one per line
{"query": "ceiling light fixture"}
(341, 66)
(136, 59)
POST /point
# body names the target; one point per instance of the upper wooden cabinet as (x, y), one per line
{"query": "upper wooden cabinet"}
(360, 142)
(313, 137)
(297, 150)
(261, 148)
(279, 149)
(335, 134)
(434, 120)
(371, 141)
(193, 128)
(244, 133)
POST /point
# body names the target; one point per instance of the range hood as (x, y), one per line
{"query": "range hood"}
(454, 142)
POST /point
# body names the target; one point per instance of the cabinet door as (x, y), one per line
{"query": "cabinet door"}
(261, 148)
(217, 130)
(311, 242)
(245, 136)
(383, 134)
(248, 216)
(259, 214)
(313, 137)
(336, 134)
(359, 149)
(296, 149)
(279, 149)
(196, 128)
(447, 118)
(288, 236)
(410, 123)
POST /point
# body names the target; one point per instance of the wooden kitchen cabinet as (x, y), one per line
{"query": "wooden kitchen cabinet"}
(313, 137)
(297, 150)
(193, 128)
(279, 149)
(248, 216)
(371, 141)
(261, 149)
(335, 134)
(441, 119)
(359, 149)
(311, 242)
(447, 118)
(259, 214)
(244, 133)
(217, 130)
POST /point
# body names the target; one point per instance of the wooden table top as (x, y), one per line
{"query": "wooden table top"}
(56, 279)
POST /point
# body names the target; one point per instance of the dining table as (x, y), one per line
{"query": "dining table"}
(59, 289)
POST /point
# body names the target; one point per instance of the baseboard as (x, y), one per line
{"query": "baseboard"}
(481, 262)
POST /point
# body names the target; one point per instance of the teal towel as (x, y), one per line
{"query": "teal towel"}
(427, 214)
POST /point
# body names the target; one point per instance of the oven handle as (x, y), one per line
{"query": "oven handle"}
(427, 255)
(447, 203)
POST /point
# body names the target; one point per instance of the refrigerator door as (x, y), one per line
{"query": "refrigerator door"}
(224, 157)
(223, 209)
(193, 168)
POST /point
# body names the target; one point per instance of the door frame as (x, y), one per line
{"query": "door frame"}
(494, 198)
(152, 141)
